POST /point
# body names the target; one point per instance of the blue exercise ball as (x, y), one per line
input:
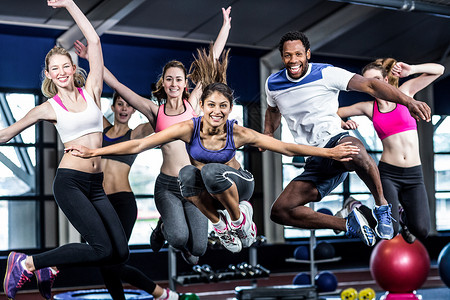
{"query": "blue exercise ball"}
(102, 294)
(444, 264)
(301, 252)
(302, 279)
(326, 211)
(324, 250)
(326, 282)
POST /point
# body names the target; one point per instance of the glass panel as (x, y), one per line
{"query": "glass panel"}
(442, 211)
(441, 136)
(20, 219)
(147, 218)
(367, 132)
(20, 105)
(144, 171)
(17, 174)
(442, 171)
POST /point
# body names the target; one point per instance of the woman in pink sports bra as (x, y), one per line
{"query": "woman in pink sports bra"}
(400, 166)
(185, 227)
(74, 108)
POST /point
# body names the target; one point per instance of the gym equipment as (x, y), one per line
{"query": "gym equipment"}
(444, 264)
(399, 267)
(101, 294)
(281, 292)
(326, 211)
(349, 294)
(326, 282)
(188, 296)
(301, 253)
(366, 294)
(302, 279)
(324, 250)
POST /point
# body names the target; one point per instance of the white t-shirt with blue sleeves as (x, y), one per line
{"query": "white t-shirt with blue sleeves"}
(309, 104)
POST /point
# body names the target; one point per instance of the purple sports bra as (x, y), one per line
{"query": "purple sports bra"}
(196, 150)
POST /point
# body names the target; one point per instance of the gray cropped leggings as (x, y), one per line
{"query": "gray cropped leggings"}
(215, 178)
(185, 226)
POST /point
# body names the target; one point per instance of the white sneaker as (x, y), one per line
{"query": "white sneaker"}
(230, 241)
(247, 230)
(171, 295)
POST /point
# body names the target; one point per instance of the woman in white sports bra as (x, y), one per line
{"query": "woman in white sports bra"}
(74, 108)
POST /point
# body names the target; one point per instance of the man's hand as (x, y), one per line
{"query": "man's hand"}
(419, 110)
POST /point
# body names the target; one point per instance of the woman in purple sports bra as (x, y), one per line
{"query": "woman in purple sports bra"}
(400, 166)
(215, 182)
(183, 226)
(74, 108)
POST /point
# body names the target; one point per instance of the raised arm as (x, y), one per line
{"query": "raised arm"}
(429, 73)
(222, 37)
(250, 137)
(379, 89)
(142, 130)
(179, 131)
(142, 104)
(94, 81)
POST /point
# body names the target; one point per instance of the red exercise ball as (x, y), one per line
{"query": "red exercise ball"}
(399, 267)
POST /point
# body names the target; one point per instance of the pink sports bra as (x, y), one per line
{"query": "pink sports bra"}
(163, 121)
(389, 123)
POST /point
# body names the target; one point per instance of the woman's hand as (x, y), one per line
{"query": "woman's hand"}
(226, 17)
(81, 49)
(349, 125)
(79, 151)
(343, 152)
(401, 69)
(58, 3)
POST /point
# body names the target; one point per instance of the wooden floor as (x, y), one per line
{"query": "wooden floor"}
(355, 278)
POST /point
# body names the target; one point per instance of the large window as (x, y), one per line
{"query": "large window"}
(441, 141)
(19, 205)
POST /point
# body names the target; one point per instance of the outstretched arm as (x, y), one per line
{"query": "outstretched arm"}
(144, 105)
(39, 113)
(430, 72)
(379, 89)
(94, 82)
(180, 131)
(358, 109)
(246, 136)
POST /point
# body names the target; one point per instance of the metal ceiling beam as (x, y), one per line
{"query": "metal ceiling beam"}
(437, 8)
(73, 33)
(328, 30)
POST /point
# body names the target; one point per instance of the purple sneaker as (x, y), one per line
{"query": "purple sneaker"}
(45, 278)
(16, 275)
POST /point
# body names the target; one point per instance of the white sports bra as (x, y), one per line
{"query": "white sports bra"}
(71, 125)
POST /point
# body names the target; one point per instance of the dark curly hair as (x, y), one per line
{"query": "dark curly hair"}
(294, 36)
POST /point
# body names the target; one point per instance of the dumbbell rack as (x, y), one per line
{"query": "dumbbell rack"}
(175, 279)
(311, 261)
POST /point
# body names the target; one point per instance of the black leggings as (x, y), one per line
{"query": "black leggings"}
(405, 187)
(125, 205)
(81, 197)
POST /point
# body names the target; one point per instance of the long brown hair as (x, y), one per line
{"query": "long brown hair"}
(48, 87)
(160, 93)
(207, 70)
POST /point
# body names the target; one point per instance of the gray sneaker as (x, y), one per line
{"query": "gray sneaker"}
(247, 230)
(347, 207)
(357, 227)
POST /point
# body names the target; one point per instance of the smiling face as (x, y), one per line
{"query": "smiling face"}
(295, 58)
(174, 82)
(216, 109)
(122, 111)
(60, 70)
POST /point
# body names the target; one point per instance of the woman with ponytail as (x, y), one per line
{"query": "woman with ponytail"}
(400, 166)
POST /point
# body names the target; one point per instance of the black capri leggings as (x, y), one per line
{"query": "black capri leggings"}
(405, 187)
(81, 197)
(125, 205)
